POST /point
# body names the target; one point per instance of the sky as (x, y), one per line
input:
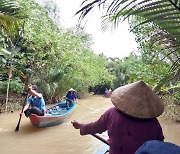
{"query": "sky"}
(116, 42)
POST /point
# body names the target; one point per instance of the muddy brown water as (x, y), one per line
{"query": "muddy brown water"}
(64, 139)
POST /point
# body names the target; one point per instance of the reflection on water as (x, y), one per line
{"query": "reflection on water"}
(63, 139)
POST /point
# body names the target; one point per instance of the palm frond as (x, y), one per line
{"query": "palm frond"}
(11, 15)
(10, 8)
(165, 14)
(154, 11)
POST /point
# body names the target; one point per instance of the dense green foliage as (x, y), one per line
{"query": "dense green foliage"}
(134, 68)
(54, 58)
(16, 86)
(156, 26)
(157, 50)
(57, 59)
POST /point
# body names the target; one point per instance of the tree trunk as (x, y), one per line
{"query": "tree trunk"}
(9, 75)
(8, 84)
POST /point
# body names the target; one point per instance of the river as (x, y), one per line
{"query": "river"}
(64, 139)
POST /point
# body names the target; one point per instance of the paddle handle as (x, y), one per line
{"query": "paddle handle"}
(100, 138)
(18, 124)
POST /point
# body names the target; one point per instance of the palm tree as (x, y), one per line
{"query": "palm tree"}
(10, 19)
(165, 14)
(11, 28)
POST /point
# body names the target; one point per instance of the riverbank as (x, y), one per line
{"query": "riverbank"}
(15, 102)
(172, 110)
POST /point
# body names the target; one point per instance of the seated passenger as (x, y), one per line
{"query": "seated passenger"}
(109, 92)
(71, 97)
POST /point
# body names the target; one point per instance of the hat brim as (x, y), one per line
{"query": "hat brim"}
(137, 100)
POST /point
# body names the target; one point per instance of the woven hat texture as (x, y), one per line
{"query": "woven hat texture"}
(137, 100)
(71, 89)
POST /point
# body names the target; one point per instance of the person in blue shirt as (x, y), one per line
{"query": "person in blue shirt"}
(71, 96)
(35, 102)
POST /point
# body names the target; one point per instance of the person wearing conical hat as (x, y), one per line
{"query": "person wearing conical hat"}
(71, 97)
(131, 122)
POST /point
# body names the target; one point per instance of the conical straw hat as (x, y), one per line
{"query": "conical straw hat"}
(71, 89)
(137, 100)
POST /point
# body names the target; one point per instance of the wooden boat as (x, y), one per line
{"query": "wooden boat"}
(104, 149)
(54, 115)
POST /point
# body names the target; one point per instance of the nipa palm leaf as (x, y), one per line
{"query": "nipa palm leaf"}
(163, 13)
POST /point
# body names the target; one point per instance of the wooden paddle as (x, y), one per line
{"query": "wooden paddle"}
(17, 127)
(100, 138)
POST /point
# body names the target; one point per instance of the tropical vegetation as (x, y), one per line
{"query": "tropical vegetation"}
(34, 48)
(155, 23)
(53, 58)
(156, 26)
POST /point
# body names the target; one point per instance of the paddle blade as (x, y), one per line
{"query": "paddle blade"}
(17, 127)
